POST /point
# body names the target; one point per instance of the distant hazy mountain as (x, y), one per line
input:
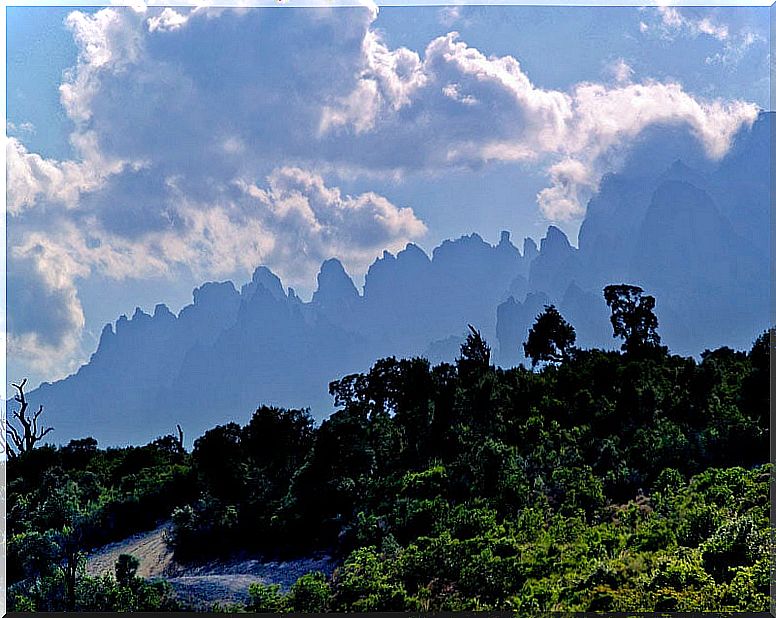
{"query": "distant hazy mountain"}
(696, 239)
(694, 235)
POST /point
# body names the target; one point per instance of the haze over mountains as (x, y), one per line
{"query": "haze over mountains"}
(692, 233)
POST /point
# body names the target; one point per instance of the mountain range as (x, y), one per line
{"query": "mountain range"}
(694, 234)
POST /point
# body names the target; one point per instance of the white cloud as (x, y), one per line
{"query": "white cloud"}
(673, 22)
(621, 71)
(168, 20)
(449, 15)
(736, 48)
(45, 317)
(388, 78)
(369, 107)
(527, 122)
(22, 128)
(31, 178)
(107, 42)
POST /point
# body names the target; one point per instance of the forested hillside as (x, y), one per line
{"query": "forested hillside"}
(594, 480)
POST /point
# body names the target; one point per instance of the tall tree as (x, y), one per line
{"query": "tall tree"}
(633, 318)
(551, 338)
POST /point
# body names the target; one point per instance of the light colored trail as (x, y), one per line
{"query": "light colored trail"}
(202, 585)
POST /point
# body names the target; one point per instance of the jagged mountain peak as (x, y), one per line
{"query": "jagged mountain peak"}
(214, 293)
(555, 241)
(413, 253)
(139, 315)
(265, 278)
(466, 240)
(334, 284)
(530, 250)
(162, 312)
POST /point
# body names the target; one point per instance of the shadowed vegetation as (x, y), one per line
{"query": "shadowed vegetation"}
(630, 480)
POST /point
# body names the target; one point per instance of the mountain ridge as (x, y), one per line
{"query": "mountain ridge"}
(671, 230)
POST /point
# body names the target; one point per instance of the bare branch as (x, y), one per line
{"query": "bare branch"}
(17, 439)
(29, 435)
(35, 420)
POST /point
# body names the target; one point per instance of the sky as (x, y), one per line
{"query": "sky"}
(150, 150)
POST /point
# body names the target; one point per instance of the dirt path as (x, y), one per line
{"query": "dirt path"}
(148, 547)
(202, 585)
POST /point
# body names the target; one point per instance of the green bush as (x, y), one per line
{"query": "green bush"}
(310, 594)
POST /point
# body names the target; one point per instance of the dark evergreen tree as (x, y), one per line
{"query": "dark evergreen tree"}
(550, 339)
(475, 353)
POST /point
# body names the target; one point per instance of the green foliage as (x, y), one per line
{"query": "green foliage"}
(310, 594)
(126, 568)
(64, 501)
(266, 598)
(96, 594)
(364, 584)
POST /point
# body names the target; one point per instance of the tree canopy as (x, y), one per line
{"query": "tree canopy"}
(633, 318)
(551, 338)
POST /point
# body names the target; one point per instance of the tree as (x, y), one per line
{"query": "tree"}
(70, 538)
(475, 353)
(219, 459)
(126, 568)
(311, 593)
(551, 338)
(633, 318)
(24, 438)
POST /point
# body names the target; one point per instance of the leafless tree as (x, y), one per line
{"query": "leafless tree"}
(23, 438)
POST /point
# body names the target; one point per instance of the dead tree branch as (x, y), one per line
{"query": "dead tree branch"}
(23, 438)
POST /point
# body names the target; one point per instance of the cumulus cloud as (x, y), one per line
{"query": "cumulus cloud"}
(366, 108)
(45, 317)
(33, 179)
(388, 78)
(107, 42)
(581, 128)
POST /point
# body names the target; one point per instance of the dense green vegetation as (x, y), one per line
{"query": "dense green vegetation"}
(64, 501)
(601, 480)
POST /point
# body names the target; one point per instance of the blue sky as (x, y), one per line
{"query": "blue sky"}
(151, 150)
